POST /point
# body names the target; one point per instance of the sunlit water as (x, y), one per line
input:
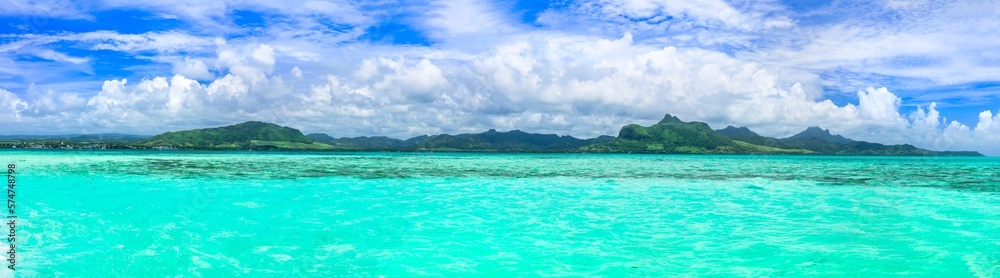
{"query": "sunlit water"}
(224, 214)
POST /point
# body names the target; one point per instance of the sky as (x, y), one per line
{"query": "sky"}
(925, 73)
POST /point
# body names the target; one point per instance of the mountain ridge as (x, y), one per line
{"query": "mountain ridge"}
(669, 135)
(815, 132)
(251, 134)
(490, 140)
(822, 141)
(746, 135)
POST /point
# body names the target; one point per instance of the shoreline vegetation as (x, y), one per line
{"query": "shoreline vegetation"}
(669, 136)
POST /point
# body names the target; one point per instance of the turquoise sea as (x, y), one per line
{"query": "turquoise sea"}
(228, 214)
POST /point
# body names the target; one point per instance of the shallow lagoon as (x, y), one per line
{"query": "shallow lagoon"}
(219, 214)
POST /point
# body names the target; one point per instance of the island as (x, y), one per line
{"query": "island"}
(670, 135)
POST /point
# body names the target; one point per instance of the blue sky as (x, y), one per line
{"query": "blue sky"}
(892, 71)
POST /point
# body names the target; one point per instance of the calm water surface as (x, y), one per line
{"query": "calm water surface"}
(225, 214)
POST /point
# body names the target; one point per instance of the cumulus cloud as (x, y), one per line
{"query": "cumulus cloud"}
(12, 104)
(193, 68)
(396, 81)
(264, 54)
(989, 125)
(251, 62)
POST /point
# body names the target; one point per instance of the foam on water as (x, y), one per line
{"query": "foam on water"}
(214, 214)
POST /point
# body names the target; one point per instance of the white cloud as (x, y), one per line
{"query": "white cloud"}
(60, 57)
(49, 103)
(686, 14)
(193, 68)
(12, 104)
(161, 42)
(166, 42)
(397, 81)
(712, 10)
(251, 62)
(941, 42)
(989, 125)
(214, 16)
(41, 12)
(264, 54)
(184, 101)
(459, 18)
(229, 88)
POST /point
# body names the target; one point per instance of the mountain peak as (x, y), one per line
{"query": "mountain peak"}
(817, 129)
(229, 137)
(822, 134)
(731, 131)
(670, 119)
(252, 123)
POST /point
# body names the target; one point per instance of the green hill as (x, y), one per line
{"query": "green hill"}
(248, 135)
(816, 133)
(746, 135)
(490, 141)
(101, 137)
(510, 141)
(822, 141)
(360, 143)
(671, 135)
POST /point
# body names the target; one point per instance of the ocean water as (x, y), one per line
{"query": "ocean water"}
(229, 214)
